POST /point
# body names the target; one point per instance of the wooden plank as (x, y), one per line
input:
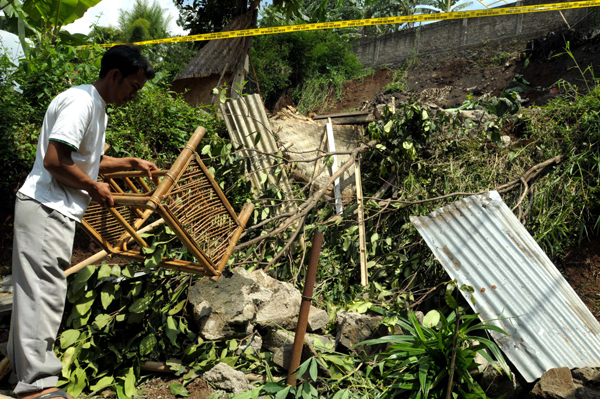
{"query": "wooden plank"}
(339, 209)
(364, 276)
(341, 114)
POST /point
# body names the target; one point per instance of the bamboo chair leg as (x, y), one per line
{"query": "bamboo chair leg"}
(102, 254)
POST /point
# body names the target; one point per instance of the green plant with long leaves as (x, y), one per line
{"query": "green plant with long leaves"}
(419, 362)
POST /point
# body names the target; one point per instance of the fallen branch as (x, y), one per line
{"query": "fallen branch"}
(308, 205)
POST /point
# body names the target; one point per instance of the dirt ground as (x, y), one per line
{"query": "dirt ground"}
(582, 270)
(487, 70)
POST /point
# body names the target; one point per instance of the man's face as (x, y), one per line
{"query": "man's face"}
(126, 89)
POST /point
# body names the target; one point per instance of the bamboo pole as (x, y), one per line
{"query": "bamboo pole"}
(364, 276)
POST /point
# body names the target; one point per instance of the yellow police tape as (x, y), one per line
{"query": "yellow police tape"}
(372, 21)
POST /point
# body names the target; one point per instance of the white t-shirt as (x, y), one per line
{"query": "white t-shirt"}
(75, 117)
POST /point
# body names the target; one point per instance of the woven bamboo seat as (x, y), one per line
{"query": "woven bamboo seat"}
(188, 200)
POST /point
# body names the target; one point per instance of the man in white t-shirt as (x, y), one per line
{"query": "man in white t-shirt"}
(55, 196)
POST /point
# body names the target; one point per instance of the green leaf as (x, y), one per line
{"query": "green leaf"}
(283, 393)
(78, 383)
(272, 387)
(140, 305)
(116, 271)
(84, 304)
(104, 382)
(374, 238)
(177, 308)
(130, 383)
(223, 96)
(313, 371)
(105, 271)
(147, 345)
(263, 178)
(107, 294)
(451, 302)
(172, 330)
(67, 361)
(178, 390)
(206, 149)
(431, 319)
(101, 321)
(68, 338)
(388, 126)
(82, 277)
(128, 272)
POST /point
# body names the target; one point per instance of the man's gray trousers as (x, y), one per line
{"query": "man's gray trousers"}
(43, 244)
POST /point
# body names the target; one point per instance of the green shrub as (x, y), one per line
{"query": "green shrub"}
(315, 63)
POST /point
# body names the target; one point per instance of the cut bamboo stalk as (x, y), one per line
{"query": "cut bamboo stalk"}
(4, 367)
(339, 209)
(364, 276)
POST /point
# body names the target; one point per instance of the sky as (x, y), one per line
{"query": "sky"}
(106, 13)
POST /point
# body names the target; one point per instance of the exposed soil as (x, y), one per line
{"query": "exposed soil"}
(485, 71)
(582, 269)
(158, 388)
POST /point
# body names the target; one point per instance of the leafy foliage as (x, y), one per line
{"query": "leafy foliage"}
(314, 63)
(144, 21)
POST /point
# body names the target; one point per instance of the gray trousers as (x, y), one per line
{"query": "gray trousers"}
(42, 248)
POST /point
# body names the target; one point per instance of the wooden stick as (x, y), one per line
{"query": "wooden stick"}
(4, 367)
(364, 276)
(339, 209)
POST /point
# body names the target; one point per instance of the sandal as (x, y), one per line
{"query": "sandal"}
(56, 394)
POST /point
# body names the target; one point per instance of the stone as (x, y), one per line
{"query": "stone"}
(353, 328)
(236, 304)
(482, 363)
(420, 316)
(555, 383)
(281, 342)
(496, 384)
(317, 319)
(505, 141)
(225, 377)
(586, 375)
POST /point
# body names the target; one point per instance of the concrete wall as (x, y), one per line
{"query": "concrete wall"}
(460, 34)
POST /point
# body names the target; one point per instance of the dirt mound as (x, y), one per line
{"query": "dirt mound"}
(451, 79)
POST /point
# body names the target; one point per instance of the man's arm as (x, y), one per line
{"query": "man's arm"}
(59, 163)
(110, 164)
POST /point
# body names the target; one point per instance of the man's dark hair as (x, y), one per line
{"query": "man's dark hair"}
(128, 59)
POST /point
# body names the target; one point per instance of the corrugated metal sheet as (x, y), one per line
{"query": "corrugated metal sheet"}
(212, 58)
(481, 243)
(245, 118)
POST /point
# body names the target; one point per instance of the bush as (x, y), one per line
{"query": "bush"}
(315, 63)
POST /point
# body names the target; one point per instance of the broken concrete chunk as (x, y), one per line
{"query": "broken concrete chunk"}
(255, 342)
(281, 342)
(317, 319)
(353, 328)
(587, 375)
(555, 384)
(235, 305)
(224, 377)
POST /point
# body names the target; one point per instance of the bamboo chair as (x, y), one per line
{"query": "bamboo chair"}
(188, 200)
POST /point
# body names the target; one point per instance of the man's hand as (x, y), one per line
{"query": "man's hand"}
(145, 166)
(100, 193)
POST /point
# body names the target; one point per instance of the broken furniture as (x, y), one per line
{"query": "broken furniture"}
(188, 200)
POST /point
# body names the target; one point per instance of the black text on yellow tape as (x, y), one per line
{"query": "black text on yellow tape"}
(372, 21)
